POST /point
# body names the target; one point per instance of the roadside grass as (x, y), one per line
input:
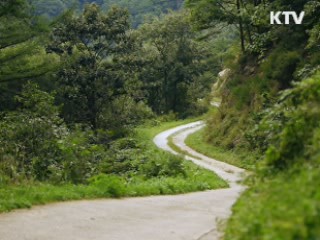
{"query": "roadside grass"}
(149, 130)
(179, 150)
(194, 178)
(239, 158)
(27, 195)
(283, 206)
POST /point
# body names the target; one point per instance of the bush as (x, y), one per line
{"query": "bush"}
(80, 157)
(283, 199)
(110, 185)
(36, 144)
(162, 164)
(122, 158)
(129, 114)
(290, 127)
(126, 157)
(281, 66)
(284, 206)
(29, 138)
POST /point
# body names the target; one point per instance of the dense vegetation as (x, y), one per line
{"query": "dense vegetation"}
(270, 106)
(132, 167)
(139, 9)
(79, 82)
(75, 92)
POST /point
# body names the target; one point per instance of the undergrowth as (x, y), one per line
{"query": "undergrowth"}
(137, 170)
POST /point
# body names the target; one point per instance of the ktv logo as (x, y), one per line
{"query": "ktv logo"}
(287, 16)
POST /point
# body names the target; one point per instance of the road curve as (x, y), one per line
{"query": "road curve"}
(184, 217)
(233, 175)
(226, 171)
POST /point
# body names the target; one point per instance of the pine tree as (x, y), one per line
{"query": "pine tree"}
(21, 55)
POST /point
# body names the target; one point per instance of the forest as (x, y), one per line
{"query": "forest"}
(139, 10)
(86, 85)
(82, 96)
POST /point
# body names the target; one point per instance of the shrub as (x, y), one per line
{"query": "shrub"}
(110, 185)
(129, 114)
(80, 158)
(36, 144)
(126, 157)
(290, 127)
(281, 66)
(162, 164)
(29, 138)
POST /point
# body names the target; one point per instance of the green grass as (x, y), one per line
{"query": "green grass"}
(27, 195)
(148, 131)
(240, 158)
(110, 186)
(284, 206)
(179, 150)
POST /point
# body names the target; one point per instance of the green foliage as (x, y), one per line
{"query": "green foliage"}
(21, 54)
(51, 8)
(29, 138)
(243, 96)
(314, 36)
(281, 66)
(205, 12)
(92, 47)
(174, 64)
(177, 176)
(81, 157)
(15, 23)
(138, 156)
(36, 144)
(163, 164)
(291, 126)
(123, 157)
(129, 114)
(239, 157)
(139, 9)
(112, 186)
(284, 206)
(12, 7)
(106, 186)
(37, 102)
(284, 195)
(282, 201)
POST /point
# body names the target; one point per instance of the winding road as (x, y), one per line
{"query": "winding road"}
(191, 216)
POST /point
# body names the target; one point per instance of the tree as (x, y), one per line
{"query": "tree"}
(209, 13)
(174, 62)
(91, 47)
(252, 19)
(21, 55)
(51, 9)
(140, 9)
(29, 137)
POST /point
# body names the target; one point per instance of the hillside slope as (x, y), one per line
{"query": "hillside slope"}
(270, 105)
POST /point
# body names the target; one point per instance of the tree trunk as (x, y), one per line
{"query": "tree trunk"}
(249, 33)
(241, 26)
